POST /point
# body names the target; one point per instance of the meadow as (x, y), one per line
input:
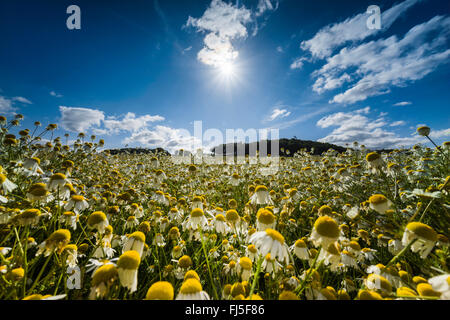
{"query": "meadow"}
(79, 223)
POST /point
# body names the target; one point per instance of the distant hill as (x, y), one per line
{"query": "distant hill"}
(293, 145)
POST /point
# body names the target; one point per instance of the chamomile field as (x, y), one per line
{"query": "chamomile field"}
(79, 223)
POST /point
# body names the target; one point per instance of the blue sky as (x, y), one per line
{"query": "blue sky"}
(139, 73)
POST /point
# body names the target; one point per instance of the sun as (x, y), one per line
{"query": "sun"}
(227, 69)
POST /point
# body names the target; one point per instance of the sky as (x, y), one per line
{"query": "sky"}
(141, 73)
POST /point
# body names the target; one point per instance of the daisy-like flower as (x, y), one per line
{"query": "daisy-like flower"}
(128, 265)
(131, 222)
(325, 232)
(31, 165)
(331, 256)
(184, 263)
(300, 249)
(270, 241)
(71, 252)
(251, 252)
(425, 235)
(379, 203)
(265, 219)
(56, 242)
(135, 241)
(261, 196)
(374, 161)
(441, 284)
(423, 131)
(191, 289)
(195, 220)
(160, 290)
(69, 218)
(97, 220)
(103, 278)
(6, 184)
(395, 246)
(27, 217)
(57, 181)
(378, 283)
(220, 224)
(159, 240)
(76, 203)
(244, 268)
(39, 192)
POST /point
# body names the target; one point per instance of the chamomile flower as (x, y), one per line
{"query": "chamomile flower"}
(300, 249)
(128, 265)
(191, 289)
(265, 219)
(325, 232)
(6, 184)
(379, 203)
(425, 235)
(261, 196)
(270, 241)
(160, 290)
(135, 241)
(77, 203)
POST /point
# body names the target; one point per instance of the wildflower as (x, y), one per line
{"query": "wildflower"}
(425, 235)
(71, 252)
(220, 224)
(77, 203)
(300, 249)
(378, 283)
(28, 217)
(128, 265)
(441, 284)
(161, 290)
(423, 131)
(270, 241)
(379, 203)
(159, 240)
(244, 265)
(426, 290)
(135, 241)
(196, 220)
(102, 280)
(97, 220)
(39, 192)
(331, 256)
(57, 241)
(369, 295)
(261, 196)
(325, 232)
(69, 218)
(191, 289)
(265, 219)
(6, 184)
(57, 181)
(131, 222)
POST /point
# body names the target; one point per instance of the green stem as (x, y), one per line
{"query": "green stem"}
(209, 268)
(256, 276)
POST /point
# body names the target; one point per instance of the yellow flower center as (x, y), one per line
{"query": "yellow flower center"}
(275, 235)
(138, 235)
(377, 199)
(197, 212)
(129, 260)
(422, 230)
(96, 218)
(326, 226)
(232, 215)
(265, 216)
(191, 286)
(185, 262)
(104, 274)
(245, 263)
(161, 290)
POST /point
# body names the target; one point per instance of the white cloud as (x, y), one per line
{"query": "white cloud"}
(54, 94)
(373, 133)
(280, 49)
(265, 5)
(352, 29)
(129, 123)
(298, 63)
(80, 119)
(440, 133)
(223, 22)
(402, 103)
(279, 113)
(22, 100)
(398, 123)
(6, 106)
(379, 64)
(164, 137)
